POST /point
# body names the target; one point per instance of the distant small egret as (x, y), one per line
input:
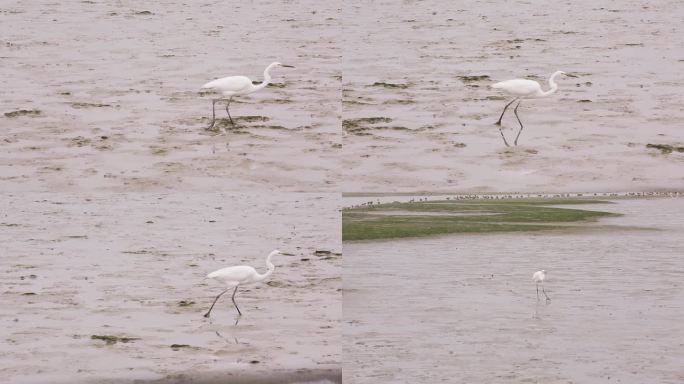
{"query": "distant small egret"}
(235, 86)
(538, 278)
(523, 89)
(238, 276)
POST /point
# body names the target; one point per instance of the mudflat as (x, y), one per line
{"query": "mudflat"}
(112, 287)
(105, 96)
(419, 114)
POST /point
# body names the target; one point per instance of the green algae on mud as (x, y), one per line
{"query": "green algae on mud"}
(473, 79)
(358, 126)
(185, 303)
(23, 112)
(110, 340)
(389, 85)
(427, 218)
(665, 149)
(80, 105)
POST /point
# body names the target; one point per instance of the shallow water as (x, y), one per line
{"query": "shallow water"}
(464, 308)
(120, 264)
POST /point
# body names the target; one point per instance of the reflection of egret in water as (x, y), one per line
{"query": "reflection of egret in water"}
(539, 278)
(218, 333)
(536, 309)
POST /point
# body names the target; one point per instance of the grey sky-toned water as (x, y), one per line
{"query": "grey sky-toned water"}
(463, 309)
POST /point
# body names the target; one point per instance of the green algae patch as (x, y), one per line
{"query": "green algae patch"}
(356, 126)
(665, 149)
(178, 347)
(429, 218)
(251, 119)
(383, 84)
(473, 78)
(110, 340)
(81, 105)
(23, 112)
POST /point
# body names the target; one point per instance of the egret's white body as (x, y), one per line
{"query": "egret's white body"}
(238, 275)
(234, 277)
(523, 89)
(231, 86)
(539, 278)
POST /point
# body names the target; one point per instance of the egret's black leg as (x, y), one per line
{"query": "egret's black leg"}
(521, 128)
(215, 300)
(504, 111)
(537, 291)
(230, 118)
(213, 115)
(236, 307)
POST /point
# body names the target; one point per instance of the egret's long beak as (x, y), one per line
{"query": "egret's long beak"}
(287, 66)
(570, 75)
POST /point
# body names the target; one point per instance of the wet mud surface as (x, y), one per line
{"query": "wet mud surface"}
(105, 96)
(113, 287)
(419, 114)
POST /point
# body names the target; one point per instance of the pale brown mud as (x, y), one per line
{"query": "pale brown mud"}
(424, 69)
(134, 266)
(116, 86)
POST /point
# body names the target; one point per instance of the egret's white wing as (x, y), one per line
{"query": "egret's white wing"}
(229, 84)
(237, 274)
(519, 87)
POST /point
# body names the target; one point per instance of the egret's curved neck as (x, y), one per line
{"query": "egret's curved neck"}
(270, 266)
(267, 78)
(553, 87)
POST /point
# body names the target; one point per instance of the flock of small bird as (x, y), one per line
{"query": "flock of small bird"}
(231, 86)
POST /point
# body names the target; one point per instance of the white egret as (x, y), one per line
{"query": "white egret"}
(538, 278)
(235, 86)
(523, 89)
(237, 276)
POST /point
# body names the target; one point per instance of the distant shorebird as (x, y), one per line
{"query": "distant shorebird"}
(523, 89)
(236, 86)
(239, 276)
(538, 278)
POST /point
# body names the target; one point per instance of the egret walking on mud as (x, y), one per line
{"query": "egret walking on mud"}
(538, 278)
(523, 89)
(235, 277)
(236, 86)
